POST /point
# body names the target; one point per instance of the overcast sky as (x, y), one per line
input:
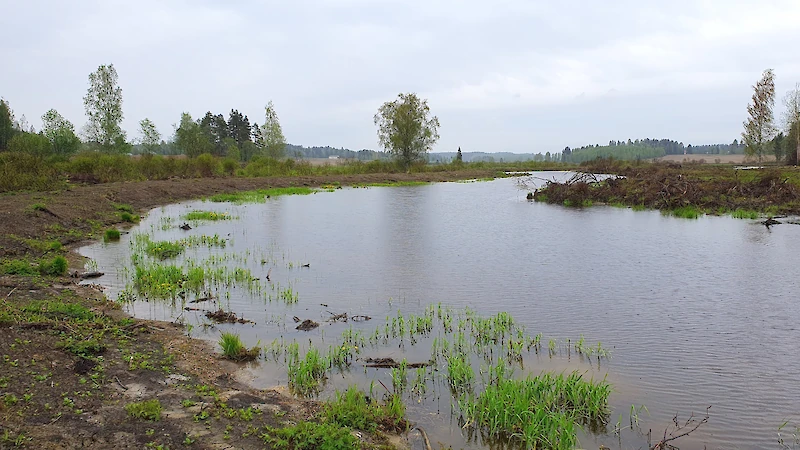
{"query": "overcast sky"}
(502, 75)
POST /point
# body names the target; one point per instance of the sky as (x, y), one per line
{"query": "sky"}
(504, 75)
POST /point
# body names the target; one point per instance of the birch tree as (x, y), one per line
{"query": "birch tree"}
(759, 128)
(103, 104)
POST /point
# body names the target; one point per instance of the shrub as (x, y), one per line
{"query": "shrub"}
(229, 166)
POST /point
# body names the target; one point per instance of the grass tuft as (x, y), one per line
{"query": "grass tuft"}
(234, 349)
(111, 235)
(685, 212)
(145, 410)
(128, 217)
(744, 214)
(56, 267)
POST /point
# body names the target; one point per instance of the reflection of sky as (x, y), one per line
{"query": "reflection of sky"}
(696, 311)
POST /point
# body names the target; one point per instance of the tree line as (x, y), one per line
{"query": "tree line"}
(234, 137)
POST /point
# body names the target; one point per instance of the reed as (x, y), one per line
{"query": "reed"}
(355, 409)
(307, 374)
(541, 412)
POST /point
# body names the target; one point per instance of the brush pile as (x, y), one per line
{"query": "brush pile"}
(672, 186)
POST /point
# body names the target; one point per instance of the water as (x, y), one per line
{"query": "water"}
(698, 313)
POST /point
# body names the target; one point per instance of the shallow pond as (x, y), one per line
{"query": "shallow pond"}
(695, 313)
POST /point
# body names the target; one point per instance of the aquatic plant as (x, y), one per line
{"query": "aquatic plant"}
(164, 249)
(744, 214)
(542, 411)
(305, 375)
(400, 377)
(261, 195)
(207, 215)
(355, 409)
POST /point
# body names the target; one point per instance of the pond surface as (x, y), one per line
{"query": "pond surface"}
(696, 313)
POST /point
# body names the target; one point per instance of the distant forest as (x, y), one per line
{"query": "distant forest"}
(624, 150)
(646, 149)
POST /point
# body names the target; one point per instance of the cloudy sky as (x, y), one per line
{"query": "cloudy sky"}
(503, 75)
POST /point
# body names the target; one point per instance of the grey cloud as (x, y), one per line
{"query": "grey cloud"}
(510, 75)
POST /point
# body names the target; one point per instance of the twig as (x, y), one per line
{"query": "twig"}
(664, 443)
(424, 436)
(12, 291)
(120, 383)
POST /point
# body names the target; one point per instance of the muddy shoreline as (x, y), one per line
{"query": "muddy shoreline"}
(55, 399)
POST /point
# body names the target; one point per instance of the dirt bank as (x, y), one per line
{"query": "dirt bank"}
(73, 363)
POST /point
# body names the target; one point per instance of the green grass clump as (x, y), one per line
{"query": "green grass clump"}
(85, 348)
(541, 412)
(355, 410)
(111, 235)
(145, 410)
(207, 215)
(307, 374)
(18, 267)
(744, 214)
(164, 249)
(261, 195)
(122, 207)
(128, 217)
(685, 212)
(38, 207)
(37, 311)
(234, 349)
(310, 436)
(55, 267)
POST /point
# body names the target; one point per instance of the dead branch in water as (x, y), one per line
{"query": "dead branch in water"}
(680, 430)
